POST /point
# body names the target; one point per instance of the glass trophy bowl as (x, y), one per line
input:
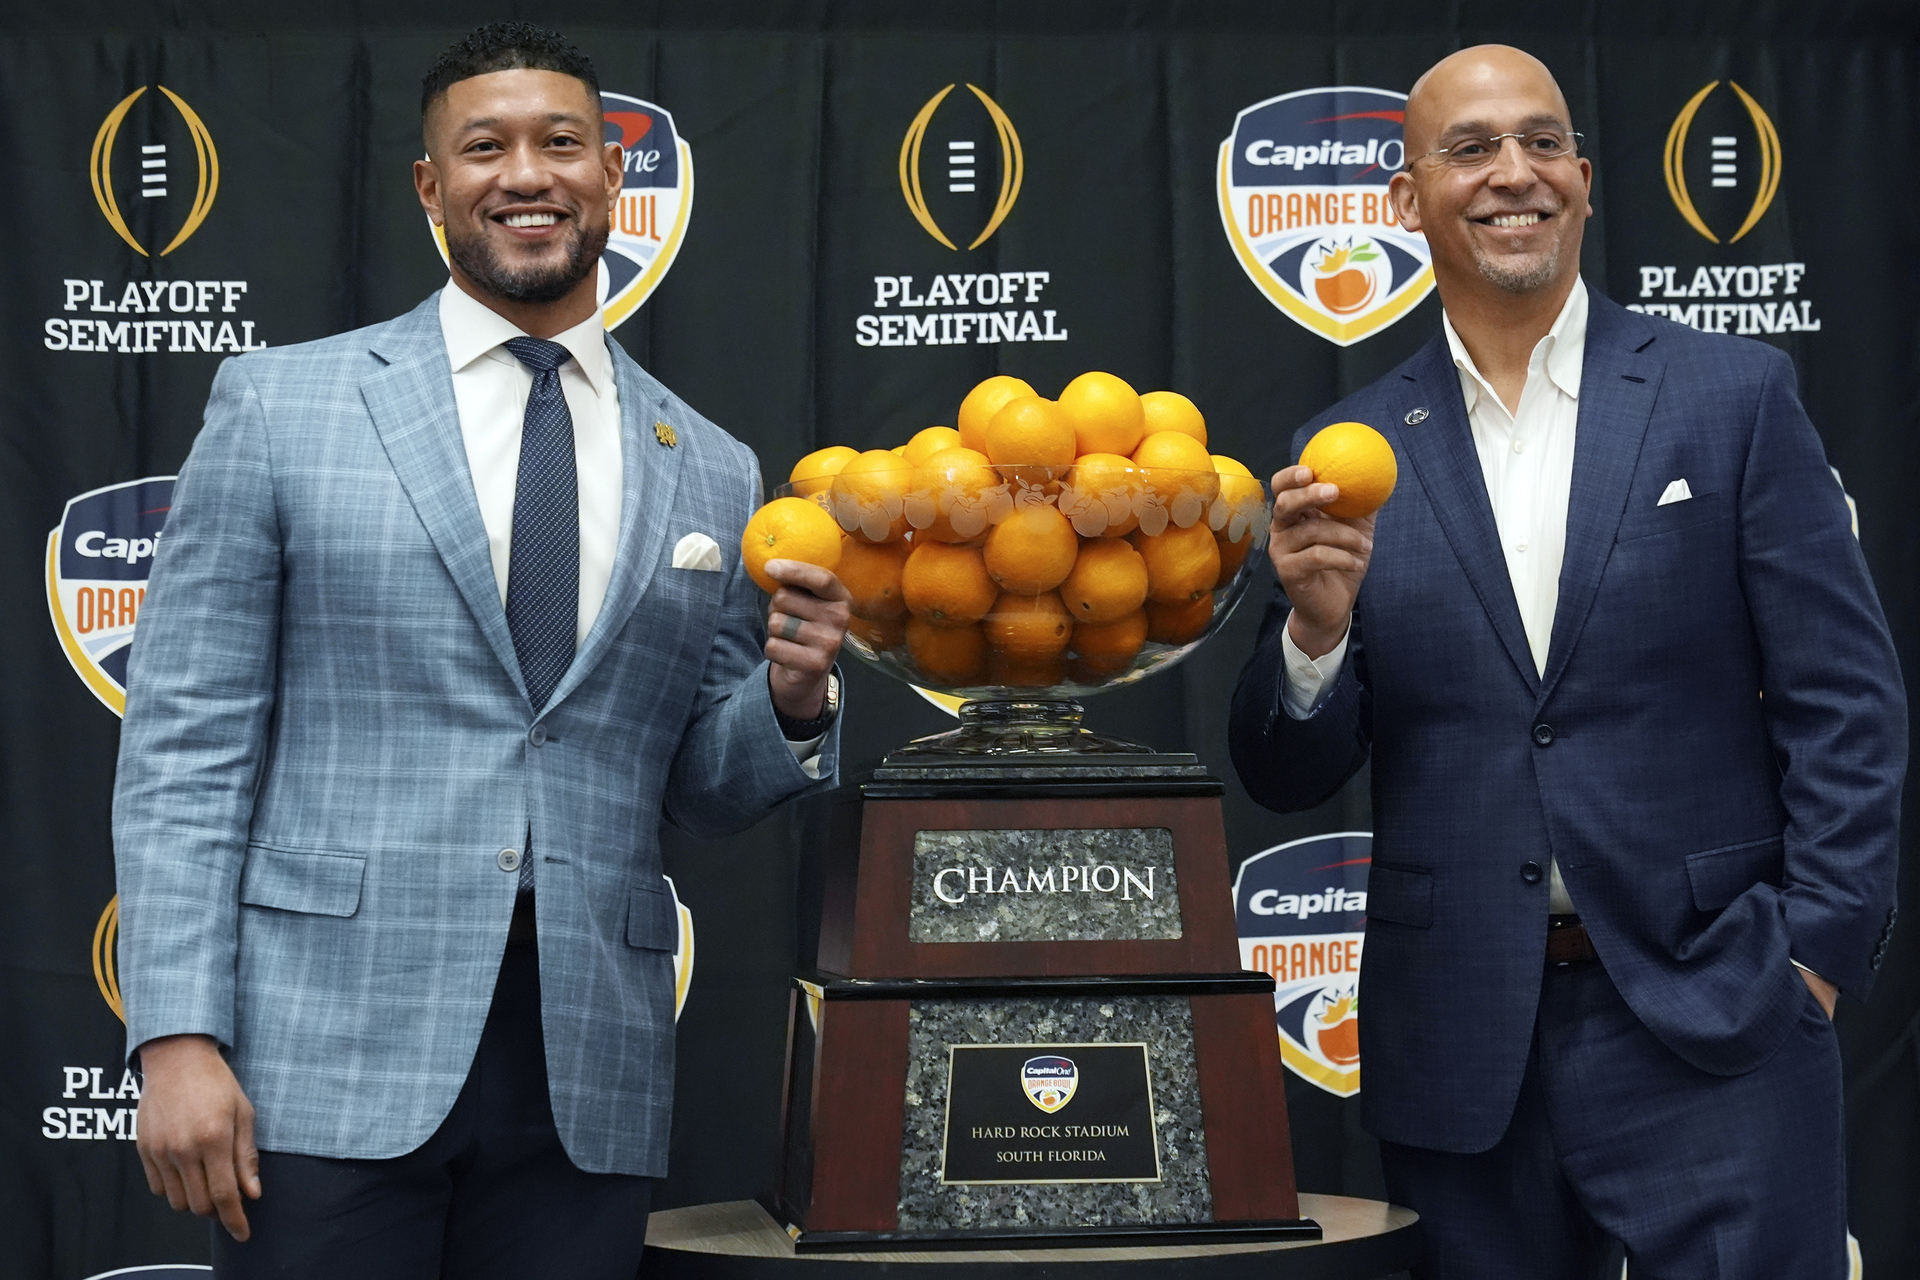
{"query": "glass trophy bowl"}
(1021, 671)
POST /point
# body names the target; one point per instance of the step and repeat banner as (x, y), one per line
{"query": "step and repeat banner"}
(827, 235)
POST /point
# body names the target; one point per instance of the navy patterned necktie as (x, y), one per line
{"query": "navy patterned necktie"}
(543, 564)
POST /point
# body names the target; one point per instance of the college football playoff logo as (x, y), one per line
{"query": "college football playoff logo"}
(1303, 197)
(98, 559)
(1734, 166)
(1049, 1081)
(650, 217)
(967, 160)
(157, 180)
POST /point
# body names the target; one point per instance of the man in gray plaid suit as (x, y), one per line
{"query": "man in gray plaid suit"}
(451, 616)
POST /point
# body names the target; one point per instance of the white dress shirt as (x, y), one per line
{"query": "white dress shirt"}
(1526, 459)
(490, 390)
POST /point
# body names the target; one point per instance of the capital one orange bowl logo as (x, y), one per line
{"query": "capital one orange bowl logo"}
(1303, 197)
(1301, 911)
(98, 559)
(650, 216)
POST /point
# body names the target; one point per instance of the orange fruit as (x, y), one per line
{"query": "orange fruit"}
(1178, 470)
(815, 472)
(1108, 582)
(1010, 672)
(880, 634)
(1032, 550)
(1102, 495)
(788, 529)
(871, 574)
(985, 400)
(955, 496)
(947, 585)
(1182, 564)
(947, 655)
(1107, 416)
(1028, 627)
(1178, 623)
(1171, 411)
(870, 495)
(1240, 506)
(1106, 648)
(1359, 461)
(929, 442)
(1029, 430)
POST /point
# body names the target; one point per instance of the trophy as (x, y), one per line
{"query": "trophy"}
(1026, 1021)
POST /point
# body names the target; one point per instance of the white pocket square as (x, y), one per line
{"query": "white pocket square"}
(1676, 492)
(697, 551)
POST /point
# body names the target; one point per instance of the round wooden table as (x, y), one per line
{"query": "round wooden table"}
(739, 1240)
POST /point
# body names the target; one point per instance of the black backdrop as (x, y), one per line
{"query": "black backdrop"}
(794, 114)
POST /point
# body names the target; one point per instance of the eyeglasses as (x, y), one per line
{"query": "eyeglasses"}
(1540, 144)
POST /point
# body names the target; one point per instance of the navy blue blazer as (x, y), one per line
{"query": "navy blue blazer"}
(1714, 754)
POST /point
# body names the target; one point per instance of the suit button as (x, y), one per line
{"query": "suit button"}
(1530, 872)
(1543, 735)
(537, 735)
(509, 859)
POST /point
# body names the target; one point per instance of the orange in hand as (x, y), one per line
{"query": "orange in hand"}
(1358, 460)
(788, 529)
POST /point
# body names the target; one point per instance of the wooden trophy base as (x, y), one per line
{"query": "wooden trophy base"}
(1028, 1023)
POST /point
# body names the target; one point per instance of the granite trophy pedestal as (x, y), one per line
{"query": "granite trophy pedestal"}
(1028, 1023)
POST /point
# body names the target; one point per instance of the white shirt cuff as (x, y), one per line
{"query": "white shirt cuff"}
(807, 754)
(1308, 679)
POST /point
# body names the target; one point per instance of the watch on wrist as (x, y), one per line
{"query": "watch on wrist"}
(806, 730)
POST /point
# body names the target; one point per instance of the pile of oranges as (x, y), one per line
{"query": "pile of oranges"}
(1039, 541)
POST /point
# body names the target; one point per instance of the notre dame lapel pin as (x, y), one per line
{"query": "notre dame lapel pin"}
(665, 434)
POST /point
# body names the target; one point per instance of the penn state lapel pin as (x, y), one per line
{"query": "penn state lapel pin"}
(1416, 416)
(665, 434)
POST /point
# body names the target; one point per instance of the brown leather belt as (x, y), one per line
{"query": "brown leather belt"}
(1568, 943)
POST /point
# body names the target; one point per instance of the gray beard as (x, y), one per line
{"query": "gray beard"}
(1536, 274)
(477, 261)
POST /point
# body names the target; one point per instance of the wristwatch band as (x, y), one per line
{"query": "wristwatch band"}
(807, 730)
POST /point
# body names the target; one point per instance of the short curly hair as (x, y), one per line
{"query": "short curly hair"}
(505, 46)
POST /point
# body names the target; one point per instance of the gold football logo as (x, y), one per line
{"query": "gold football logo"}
(961, 170)
(105, 973)
(153, 170)
(1724, 167)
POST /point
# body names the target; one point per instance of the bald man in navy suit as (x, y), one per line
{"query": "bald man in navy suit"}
(1637, 733)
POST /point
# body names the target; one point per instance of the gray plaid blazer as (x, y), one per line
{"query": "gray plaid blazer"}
(328, 747)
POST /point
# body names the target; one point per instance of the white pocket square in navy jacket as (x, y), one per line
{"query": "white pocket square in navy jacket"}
(697, 551)
(1676, 492)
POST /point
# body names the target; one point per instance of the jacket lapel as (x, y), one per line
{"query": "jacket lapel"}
(650, 475)
(1619, 382)
(1441, 451)
(411, 401)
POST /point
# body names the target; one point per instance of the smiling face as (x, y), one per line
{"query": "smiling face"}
(1514, 223)
(519, 179)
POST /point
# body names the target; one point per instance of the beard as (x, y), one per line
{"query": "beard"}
(477, 260)
(1519, 274)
